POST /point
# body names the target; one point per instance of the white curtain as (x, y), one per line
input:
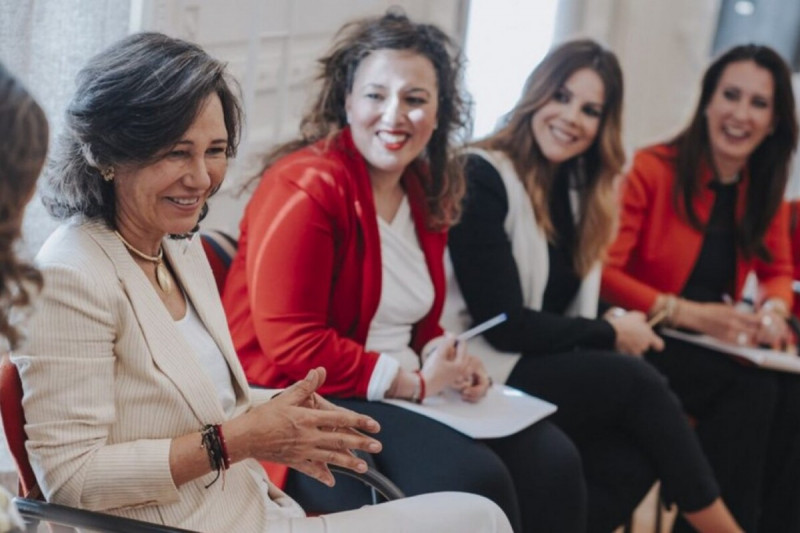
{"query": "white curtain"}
(45, 43)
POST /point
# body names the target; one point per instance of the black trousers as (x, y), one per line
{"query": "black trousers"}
(629, 427)
(748, 421)
(535, 475)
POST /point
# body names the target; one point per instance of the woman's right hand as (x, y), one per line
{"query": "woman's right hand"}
(720, 320)
(448, 366)
(634, 334)
(302, 430)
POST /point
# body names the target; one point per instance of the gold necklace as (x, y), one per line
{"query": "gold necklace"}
(162, 274)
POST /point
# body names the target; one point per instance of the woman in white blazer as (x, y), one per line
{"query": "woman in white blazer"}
(135, 401)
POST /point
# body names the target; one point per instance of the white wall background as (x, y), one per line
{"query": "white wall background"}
(663, 47)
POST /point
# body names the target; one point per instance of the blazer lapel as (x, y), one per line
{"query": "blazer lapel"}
(169, 350)
(429, 241)
(367, 220)
(191, 267)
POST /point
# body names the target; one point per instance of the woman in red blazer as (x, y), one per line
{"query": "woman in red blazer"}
(699, 214)
(340, 264)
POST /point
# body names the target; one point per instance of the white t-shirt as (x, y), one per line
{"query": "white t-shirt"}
(209, 355)
(406, 297)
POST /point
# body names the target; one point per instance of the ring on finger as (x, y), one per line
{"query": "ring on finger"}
(741, 338)
(767, 321)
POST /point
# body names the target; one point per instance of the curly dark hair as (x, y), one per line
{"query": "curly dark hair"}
(133, 101)
(23, 149)
(768, 165)
(326, 117)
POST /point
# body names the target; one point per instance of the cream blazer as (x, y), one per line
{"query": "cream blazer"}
(109, 381)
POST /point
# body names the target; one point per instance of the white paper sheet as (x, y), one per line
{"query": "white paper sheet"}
(504, 411)
(771, 359)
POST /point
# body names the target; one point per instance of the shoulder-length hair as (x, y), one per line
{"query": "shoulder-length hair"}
(133, 102)
(596, 168)
(768, 165)
(442, 178)
(22, 154)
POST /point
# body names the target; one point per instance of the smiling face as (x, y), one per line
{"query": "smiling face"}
(739, 115)
(166, 197)
(392, 110)
(567, 125)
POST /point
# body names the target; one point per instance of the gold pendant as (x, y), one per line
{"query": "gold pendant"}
(163, 278)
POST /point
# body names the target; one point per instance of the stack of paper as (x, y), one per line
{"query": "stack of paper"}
(504, 411)
(771, 359)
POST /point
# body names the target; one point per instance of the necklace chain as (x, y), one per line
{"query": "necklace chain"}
(162, 275)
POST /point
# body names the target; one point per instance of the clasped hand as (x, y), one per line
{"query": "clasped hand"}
(634, 334)
(450, 366)
(300, 429)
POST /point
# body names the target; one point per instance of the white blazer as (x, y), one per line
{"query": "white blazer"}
(109, 381)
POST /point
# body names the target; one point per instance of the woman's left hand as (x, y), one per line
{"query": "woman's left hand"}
(772, 330)
(479, 381)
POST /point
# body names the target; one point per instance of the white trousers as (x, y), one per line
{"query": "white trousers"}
(439, 512)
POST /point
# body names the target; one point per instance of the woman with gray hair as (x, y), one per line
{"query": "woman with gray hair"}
(135, 401)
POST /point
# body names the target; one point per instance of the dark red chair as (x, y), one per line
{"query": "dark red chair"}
(220, 249)
(14, 426)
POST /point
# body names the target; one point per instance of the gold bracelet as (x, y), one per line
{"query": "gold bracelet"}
(777, 306)
(671, 307)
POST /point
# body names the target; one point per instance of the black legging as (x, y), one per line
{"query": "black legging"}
(748, 422)
(535, 475)
(629, 427)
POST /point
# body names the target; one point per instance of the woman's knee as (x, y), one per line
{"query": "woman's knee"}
(460, 511)
(476, 513)
(757, 389)
(554, 454)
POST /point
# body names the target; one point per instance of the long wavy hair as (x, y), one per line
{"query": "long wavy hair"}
(768, 165)
(133, 101)
(23, 149)
(442, 177)
(596, 169)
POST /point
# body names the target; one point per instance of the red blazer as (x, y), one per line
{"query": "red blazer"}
(306, 280)
(656, 250)
(794, 235)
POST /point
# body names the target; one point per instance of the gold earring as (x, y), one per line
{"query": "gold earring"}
(108, 173)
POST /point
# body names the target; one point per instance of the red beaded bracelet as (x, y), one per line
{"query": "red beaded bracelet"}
(214, 443)
(421, 397)
(226, 458)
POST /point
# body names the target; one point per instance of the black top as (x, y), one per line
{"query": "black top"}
(563, 282)
(714, 272)
(487, 275)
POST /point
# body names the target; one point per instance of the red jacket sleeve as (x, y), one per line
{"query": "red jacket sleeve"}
(618, 287)
(290, 272)
(775, 277)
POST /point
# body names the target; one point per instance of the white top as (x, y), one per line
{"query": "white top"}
(406, 297)
(209, 355)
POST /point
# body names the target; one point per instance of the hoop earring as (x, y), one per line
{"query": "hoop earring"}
(107, 173)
